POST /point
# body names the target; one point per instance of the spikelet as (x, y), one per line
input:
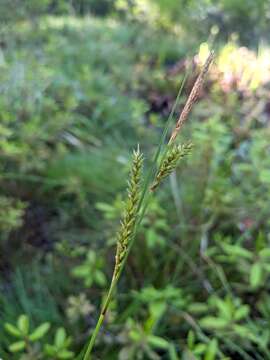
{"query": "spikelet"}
(193, 96)
(131, 212)
(169, 163)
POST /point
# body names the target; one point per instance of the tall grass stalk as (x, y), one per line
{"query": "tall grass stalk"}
(138, 199)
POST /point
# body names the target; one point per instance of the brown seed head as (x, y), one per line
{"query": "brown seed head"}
(193, 96)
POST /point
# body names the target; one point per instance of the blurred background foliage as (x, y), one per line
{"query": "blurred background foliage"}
(81, 83)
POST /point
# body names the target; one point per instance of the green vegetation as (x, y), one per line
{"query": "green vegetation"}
(78, 92)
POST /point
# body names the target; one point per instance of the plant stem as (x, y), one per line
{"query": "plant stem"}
(145, 196)
(87, 355)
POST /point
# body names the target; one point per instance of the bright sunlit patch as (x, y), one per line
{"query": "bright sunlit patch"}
(239, 68)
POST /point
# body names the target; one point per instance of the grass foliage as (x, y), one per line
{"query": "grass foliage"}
(76, 96)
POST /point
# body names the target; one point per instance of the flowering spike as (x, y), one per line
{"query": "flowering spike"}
(193, 96)
(169, 163)
(127, 224)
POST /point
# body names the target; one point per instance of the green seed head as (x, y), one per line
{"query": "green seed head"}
(170, 162)
(128, 222)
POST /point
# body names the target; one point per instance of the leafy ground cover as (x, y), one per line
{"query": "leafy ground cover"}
(76, 95)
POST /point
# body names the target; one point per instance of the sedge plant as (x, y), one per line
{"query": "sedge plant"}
(165, 161)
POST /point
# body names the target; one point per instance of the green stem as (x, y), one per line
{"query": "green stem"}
(91, 344)
(87, 355)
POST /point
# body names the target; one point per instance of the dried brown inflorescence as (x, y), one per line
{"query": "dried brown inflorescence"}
(193, 96)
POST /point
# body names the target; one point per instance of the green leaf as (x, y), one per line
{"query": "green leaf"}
(173, 353)
(260, 242)
(265, 176)
(241, 313)
(81, 271)
(100, 278)
(60, 337)
(197, 308)
(65, 354)
(264, 338)
(23, 324)
(237, 250)
(191, 339)
(91, 257)
(40, 331)
(135, 335)
(158, 342)
(152, 238)
(212, 322)
(224, 309)
(104, 207)
(49, 349)
(199, 349)
(264, 253)
(266, 267)
(256, 275)
(211, 351)
(17, 346)
(12, 330)
(241, 330)
(157, 309)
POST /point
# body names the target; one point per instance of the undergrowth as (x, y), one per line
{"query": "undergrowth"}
(76, 96)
